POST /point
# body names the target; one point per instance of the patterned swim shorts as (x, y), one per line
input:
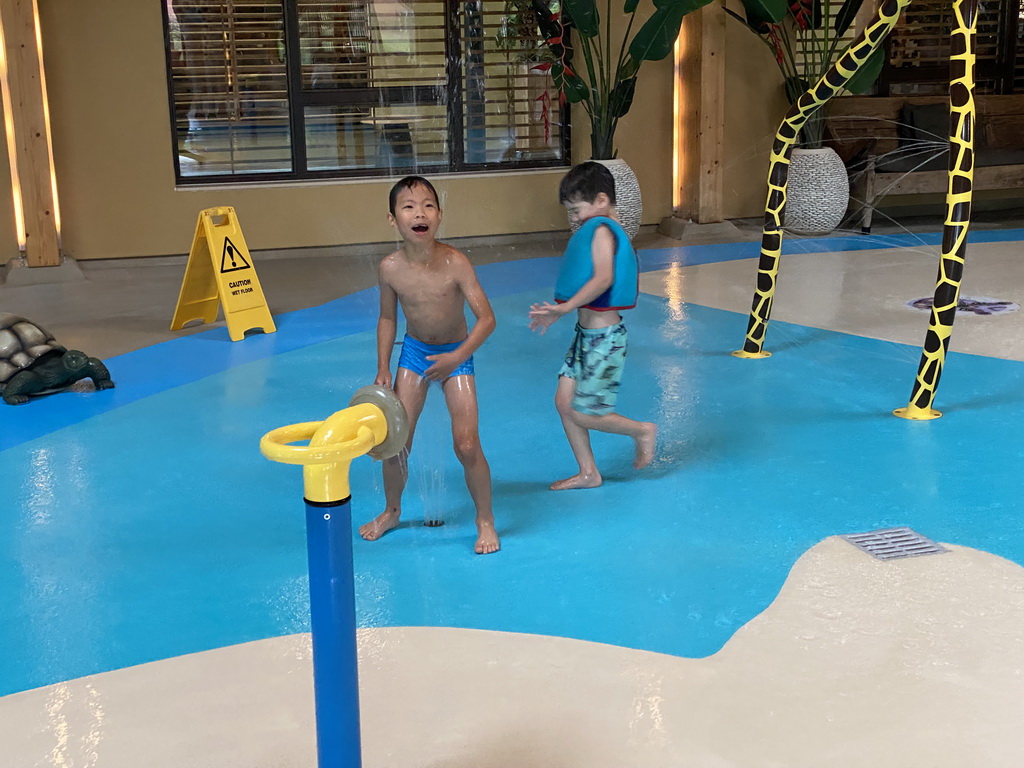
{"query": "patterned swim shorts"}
(594, 361)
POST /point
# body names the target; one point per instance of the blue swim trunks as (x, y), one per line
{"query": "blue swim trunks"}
(414, 356)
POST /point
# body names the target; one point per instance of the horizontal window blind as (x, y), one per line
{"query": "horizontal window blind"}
(335, 44)
(919, 47)
(373, 88)
(812, 44)
(511, 103)
(376, 76)
(1018, 68)
(229, 86)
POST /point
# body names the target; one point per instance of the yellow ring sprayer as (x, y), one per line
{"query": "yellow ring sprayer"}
(375, 423)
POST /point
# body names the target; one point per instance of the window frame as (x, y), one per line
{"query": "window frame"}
(300, 99)
(1001, 70)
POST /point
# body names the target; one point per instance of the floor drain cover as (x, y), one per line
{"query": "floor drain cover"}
(892, 543)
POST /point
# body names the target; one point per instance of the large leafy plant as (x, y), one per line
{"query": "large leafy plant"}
(517, 34)
(807, 37)
(602, 82)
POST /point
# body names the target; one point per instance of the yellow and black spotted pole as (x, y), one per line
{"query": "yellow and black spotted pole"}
(778, 170)
(958, 197)
(958, 213)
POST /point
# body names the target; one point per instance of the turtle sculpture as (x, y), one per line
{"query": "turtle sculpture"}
(33, 363)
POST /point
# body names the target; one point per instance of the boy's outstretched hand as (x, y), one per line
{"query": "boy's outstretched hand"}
(543, 316)
(383, 378)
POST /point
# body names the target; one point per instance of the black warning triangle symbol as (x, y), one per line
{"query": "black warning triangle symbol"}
(232, 259)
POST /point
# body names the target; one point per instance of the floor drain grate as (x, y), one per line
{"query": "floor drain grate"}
(893, 543)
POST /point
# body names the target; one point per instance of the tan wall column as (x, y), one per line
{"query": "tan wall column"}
(31, 159)
(702, 115)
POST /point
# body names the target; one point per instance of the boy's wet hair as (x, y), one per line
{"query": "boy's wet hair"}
(408, 183)
(585, 182)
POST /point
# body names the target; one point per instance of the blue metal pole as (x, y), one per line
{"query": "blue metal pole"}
(332, 605)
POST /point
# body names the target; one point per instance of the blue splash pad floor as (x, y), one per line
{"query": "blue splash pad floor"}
(153, 527)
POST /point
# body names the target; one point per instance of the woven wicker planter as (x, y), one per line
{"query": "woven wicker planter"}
(628, 203)
(818, 192)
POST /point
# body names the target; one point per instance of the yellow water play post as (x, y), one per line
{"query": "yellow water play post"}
(375, 423)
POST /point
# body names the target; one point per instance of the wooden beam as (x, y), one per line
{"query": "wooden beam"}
(702, 115)
(32, 141)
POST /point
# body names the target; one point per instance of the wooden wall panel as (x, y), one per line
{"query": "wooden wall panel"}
(32, 154)
(702, 115)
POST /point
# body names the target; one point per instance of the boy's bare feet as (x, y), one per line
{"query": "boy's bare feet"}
(487, 539)
(577, 481)
(380, 525)
(645, 445)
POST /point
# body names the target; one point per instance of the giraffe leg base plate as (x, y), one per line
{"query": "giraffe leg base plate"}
(914, 413)
(743, 354)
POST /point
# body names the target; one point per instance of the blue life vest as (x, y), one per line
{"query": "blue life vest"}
(578, 267)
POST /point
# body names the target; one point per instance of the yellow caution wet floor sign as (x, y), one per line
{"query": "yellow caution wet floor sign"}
(220, 271)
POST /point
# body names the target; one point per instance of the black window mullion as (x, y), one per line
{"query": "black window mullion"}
(472, 52)
(172, 107)
(1009, 12)
(454, 71)
(296, 103)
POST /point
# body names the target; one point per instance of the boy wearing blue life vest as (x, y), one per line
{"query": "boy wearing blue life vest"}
(433, 282)
(599, 278)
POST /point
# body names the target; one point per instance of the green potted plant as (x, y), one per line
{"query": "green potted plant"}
(604, 84)
(528, 78)
(519, 32)
(806, 38)
(596, 68)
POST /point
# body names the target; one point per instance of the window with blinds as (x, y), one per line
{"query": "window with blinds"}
(918, 49)
(318, 89)
(1018, 62)
(815, 50)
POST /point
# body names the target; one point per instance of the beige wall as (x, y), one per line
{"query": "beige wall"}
(754, 106)
(644, 137)
(112, 149)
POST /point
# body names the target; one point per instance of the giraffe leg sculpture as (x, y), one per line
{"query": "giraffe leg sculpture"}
(958, 214)
(809, 102)
(958, 198)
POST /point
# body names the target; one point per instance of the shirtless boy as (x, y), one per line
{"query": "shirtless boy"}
(433, 282)
(598, 279)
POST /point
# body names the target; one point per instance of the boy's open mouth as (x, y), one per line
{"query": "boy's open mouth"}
(420, 228)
